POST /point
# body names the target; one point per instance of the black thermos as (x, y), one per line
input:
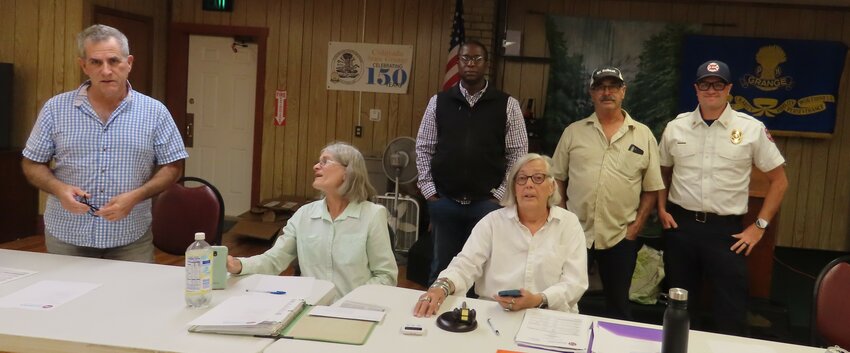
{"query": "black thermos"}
(676, 322)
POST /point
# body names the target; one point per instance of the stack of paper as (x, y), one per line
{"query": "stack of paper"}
(554, 330)
(258, 314)
(609, 337)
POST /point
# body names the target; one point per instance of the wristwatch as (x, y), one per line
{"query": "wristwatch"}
(761, 224)
(544, 304)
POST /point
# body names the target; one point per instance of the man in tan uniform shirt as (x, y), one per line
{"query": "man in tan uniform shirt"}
(610, 167)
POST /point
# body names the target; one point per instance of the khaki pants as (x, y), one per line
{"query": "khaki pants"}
(139, 251)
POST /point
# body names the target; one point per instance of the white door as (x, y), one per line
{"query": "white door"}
(221, 96)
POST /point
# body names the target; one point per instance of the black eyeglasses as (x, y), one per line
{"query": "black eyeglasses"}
(478, 59)
(716, 85)
(537, 178)
(92, 208)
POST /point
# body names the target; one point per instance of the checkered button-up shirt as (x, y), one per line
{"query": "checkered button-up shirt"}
(103, 159)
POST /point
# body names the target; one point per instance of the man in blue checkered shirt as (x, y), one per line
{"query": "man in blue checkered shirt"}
(113, 149)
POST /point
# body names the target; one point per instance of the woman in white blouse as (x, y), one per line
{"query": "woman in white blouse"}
(342, 238)
(531, 245)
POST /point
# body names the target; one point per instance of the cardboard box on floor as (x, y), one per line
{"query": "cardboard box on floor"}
(265, 220)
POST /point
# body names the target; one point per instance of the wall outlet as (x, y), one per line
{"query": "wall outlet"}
(358, 131)
(375, 114)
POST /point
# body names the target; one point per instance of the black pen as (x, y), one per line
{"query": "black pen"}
(492, 327)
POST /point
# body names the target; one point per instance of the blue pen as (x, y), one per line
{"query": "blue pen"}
(278, 292)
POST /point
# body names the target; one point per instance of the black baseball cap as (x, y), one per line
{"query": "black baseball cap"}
(714, 68)
(604, 72)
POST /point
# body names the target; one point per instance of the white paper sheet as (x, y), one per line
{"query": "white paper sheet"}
(46, 295)
(10, 274)
(248, 310)
(554, 330)
(363, 306)
(347, 313)
(295, 287)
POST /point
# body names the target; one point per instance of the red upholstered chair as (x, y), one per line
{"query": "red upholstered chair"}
(831, 307)
(180, 211)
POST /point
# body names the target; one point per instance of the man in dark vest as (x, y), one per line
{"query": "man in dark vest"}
(469, 138)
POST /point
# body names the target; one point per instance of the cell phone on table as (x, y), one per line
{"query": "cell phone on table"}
(219, 267)
(510, 293)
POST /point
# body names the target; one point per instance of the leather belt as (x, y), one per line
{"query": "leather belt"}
(702, 217)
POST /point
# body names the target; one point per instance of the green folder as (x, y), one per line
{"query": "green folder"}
(328, 329)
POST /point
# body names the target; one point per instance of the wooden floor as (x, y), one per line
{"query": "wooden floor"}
(237, 246)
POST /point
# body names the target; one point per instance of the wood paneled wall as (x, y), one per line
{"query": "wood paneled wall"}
(816, 207)
(299, 32)
(37, 37)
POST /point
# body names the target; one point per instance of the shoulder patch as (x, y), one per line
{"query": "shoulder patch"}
(769, 137)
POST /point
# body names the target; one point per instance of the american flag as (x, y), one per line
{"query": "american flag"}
(458, 37)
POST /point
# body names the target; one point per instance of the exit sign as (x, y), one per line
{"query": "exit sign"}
(218, 5)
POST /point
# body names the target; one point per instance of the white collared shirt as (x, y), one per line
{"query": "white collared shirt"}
(712, 164)
(350, 251)
(502, 254)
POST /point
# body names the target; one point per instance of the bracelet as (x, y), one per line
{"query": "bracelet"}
(441, 286)
(445, 284)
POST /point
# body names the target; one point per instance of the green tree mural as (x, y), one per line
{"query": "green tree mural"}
(567, 99)
(653, 97)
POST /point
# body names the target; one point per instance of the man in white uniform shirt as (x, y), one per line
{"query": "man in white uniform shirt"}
(706, 159)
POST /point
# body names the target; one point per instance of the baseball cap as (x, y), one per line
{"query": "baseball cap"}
(714, 68)
(606, 71)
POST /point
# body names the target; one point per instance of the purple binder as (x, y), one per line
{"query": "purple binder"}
(644, 333)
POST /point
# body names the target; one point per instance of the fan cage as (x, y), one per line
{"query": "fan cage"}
(403, 239)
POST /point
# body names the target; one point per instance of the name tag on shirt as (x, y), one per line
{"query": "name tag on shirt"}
(636, 149)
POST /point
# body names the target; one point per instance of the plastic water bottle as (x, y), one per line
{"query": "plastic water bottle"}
(198, 272)
(676, 322)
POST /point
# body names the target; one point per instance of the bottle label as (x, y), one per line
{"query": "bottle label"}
(198, 272)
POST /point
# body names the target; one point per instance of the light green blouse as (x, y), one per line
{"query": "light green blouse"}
(350, 251)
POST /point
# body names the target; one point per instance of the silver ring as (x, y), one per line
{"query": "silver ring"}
(425, 299)
(510, 307)
(506, 309)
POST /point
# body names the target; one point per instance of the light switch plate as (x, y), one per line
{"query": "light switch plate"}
(375, 114)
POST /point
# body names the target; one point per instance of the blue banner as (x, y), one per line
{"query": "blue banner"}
(790, 85)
